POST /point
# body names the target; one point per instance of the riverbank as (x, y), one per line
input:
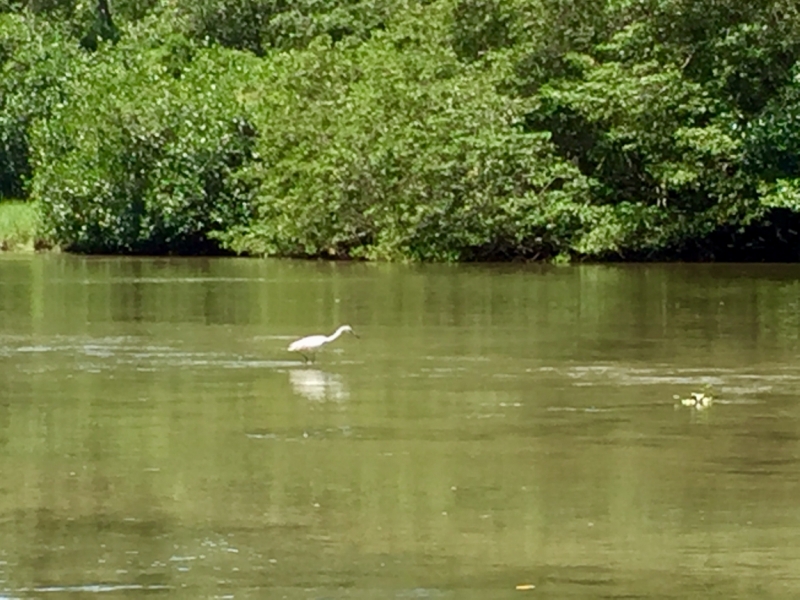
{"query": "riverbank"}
(437, 131)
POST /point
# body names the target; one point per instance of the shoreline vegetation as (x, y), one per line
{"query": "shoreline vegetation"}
(20, 227)
(415, 130)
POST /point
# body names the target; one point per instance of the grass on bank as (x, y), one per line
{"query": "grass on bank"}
(19, 226)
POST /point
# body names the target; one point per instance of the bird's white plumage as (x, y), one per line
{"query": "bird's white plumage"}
(310, 342)
(313, 343)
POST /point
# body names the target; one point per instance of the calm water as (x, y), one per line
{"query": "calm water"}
(494, 426)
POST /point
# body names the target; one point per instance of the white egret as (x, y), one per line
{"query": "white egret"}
(307, 346)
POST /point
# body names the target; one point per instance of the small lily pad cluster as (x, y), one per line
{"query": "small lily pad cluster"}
(697, 400)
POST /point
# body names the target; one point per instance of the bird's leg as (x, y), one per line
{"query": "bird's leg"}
(305, 358)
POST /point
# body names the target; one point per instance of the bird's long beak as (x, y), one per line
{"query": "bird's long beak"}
(355, 334)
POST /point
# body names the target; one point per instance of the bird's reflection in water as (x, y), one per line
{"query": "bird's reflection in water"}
(317, 385)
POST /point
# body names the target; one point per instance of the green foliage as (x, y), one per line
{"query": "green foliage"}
(153, 173)
(393, 149)
(773, 143)
(36, 64)
(662, 141)
(19, 226)
(650, 142)
(480, 26)
(258, 25)
(89, 21)
(420, 129)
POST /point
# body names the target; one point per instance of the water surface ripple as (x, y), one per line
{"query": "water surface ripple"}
(496, 431)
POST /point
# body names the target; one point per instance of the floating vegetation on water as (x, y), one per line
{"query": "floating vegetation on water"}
(697, 400)
(525, 586)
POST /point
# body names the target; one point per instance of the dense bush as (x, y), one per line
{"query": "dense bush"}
(653, 101)
(153, 172)
(36, 64)
(86, 21)
(393, 149)
(420, 129)
(259, 25)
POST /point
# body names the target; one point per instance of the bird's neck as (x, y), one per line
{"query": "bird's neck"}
(336, 334)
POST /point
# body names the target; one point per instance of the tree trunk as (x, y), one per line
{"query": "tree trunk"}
(104, 12)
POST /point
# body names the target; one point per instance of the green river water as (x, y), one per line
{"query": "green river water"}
(493, 427)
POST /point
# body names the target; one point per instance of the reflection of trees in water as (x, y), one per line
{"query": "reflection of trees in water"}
(317, 385)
